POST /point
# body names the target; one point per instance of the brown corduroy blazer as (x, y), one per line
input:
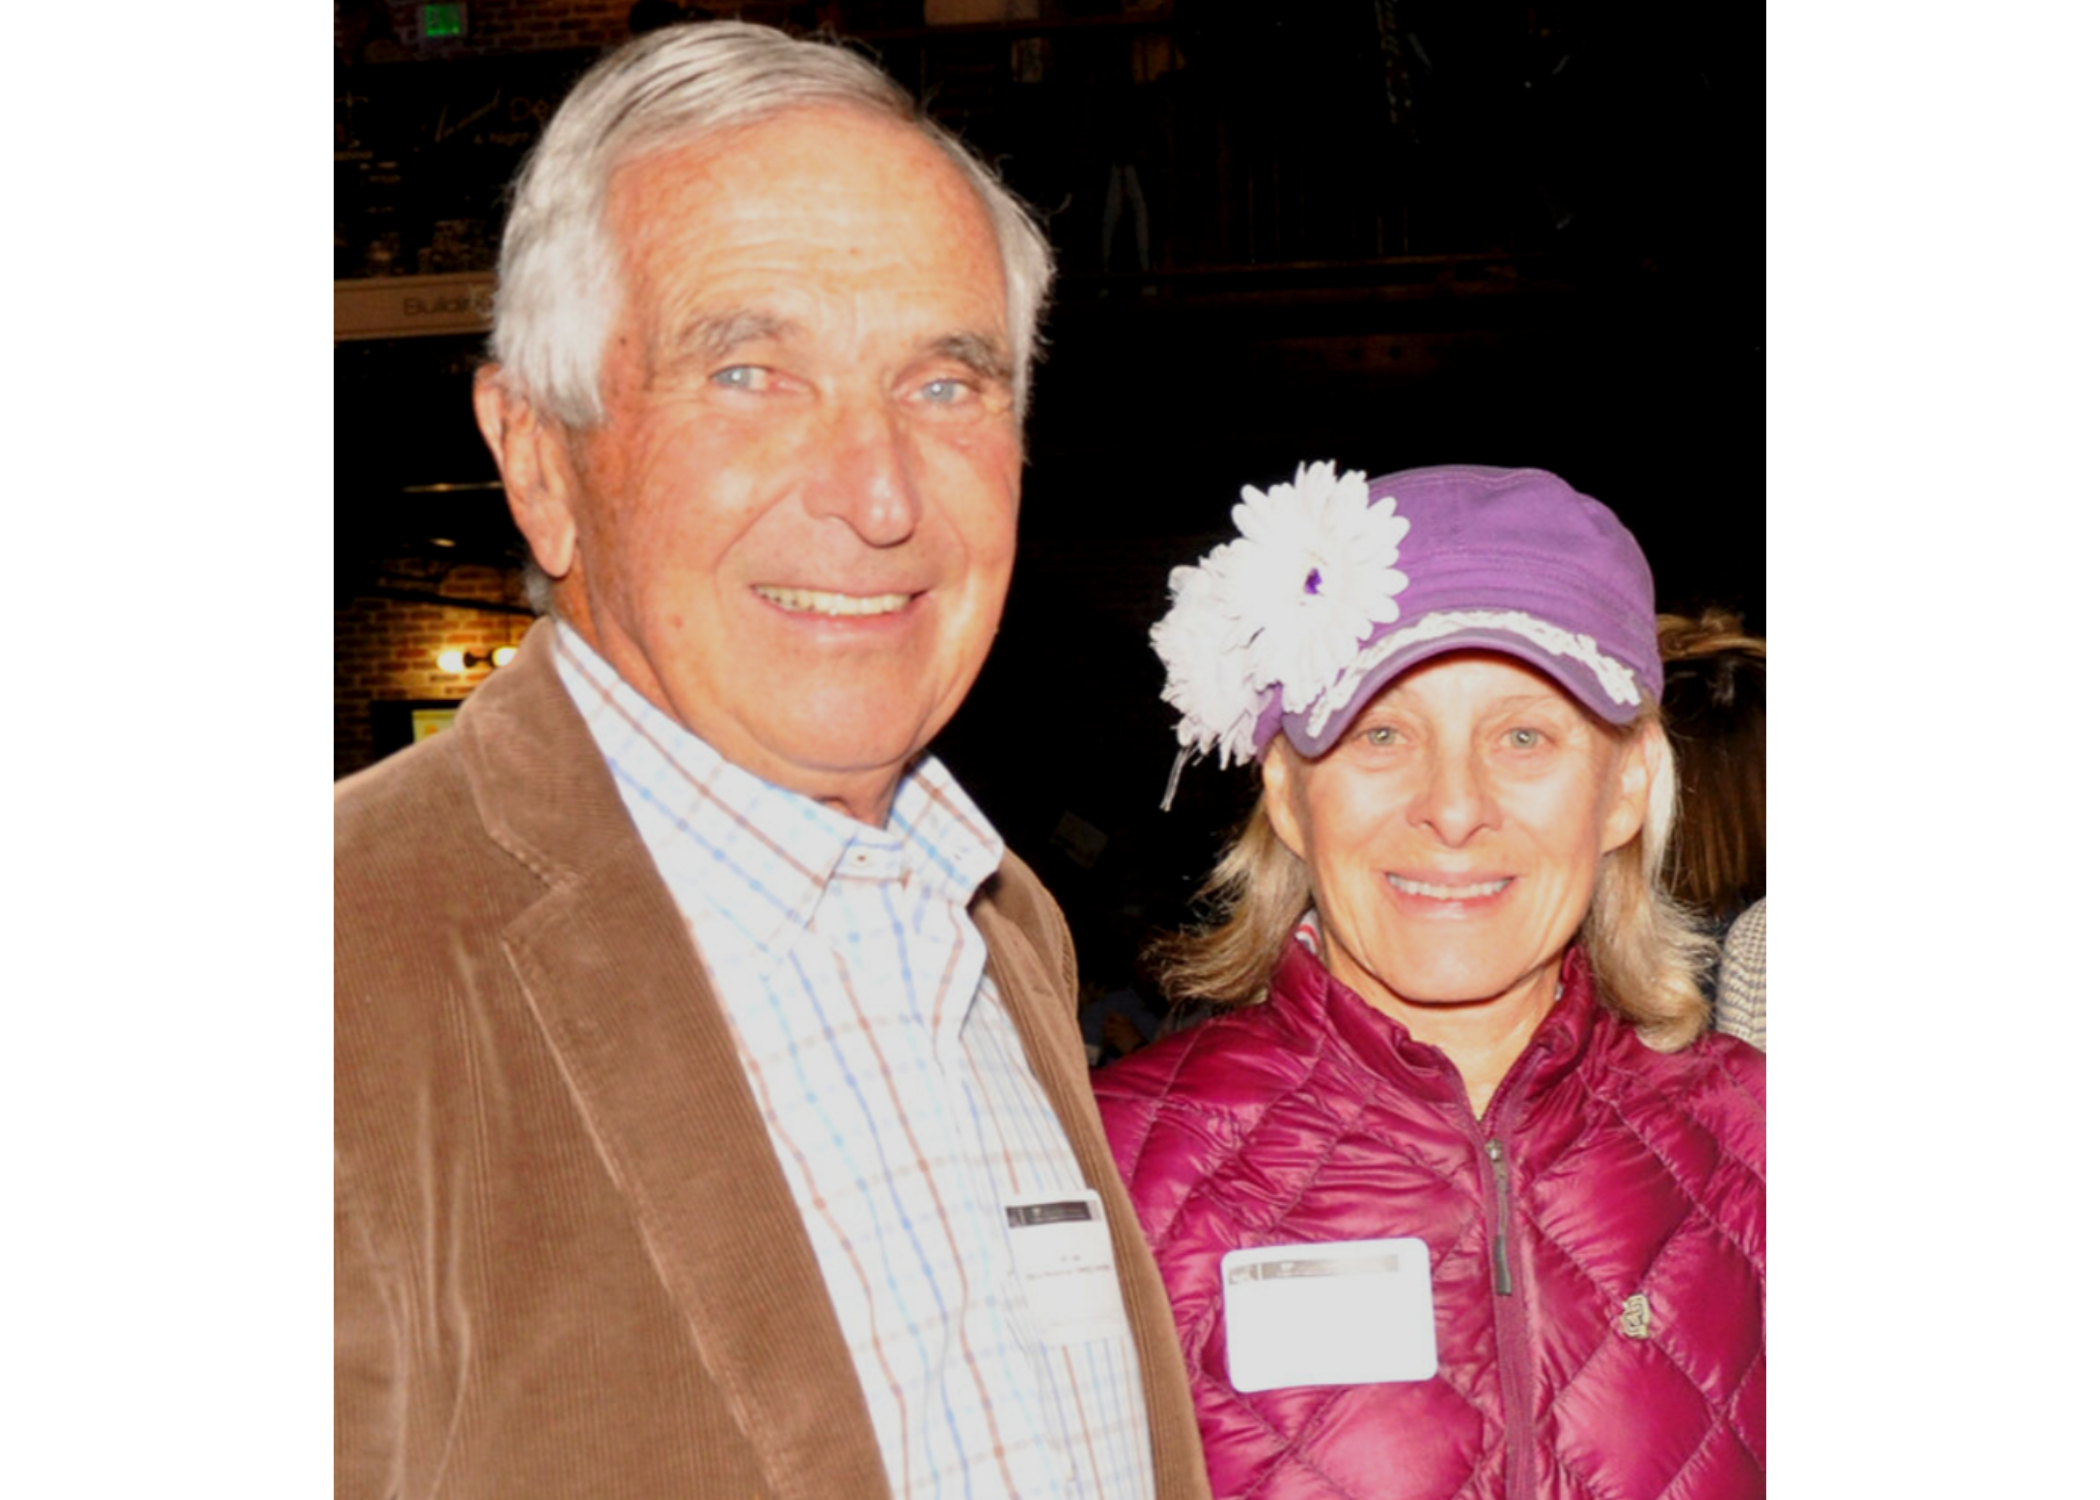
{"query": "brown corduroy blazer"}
(567, 1263)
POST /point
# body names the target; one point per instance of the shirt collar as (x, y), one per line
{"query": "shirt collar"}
(695, 810)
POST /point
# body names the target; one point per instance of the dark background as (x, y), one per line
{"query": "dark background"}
(1378, 233)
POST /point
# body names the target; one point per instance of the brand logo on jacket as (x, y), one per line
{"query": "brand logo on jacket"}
(1633, 1316)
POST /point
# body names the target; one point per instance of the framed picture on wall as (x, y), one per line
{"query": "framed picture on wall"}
(398, 723)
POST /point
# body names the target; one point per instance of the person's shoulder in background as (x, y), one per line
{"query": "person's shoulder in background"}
(1739, 1001)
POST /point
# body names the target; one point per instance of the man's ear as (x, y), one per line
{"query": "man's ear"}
(538, 476)
(1639, 764)
(1279, 784)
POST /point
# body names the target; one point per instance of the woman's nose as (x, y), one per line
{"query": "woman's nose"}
(1455, 802)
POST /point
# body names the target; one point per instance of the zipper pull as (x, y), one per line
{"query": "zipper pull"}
(1504, 1284)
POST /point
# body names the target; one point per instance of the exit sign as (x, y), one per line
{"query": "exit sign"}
(445, 20)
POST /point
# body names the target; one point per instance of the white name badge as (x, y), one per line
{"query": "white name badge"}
(1350, 1313)
(1067, 1266)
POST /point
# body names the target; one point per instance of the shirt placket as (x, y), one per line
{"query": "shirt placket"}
(947, 953)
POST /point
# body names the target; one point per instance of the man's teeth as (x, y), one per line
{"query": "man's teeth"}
(1447, 892)
(817, 602)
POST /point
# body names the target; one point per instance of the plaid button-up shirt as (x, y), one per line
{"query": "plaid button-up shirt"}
(897, 1095)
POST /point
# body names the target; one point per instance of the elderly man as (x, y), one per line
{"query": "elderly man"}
(711, 1118)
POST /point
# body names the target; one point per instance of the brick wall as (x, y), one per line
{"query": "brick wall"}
(387, 649)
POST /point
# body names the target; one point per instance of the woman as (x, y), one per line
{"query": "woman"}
(1463, 1199)
(1714, 697)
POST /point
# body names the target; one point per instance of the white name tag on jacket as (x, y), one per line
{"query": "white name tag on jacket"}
(1067, 1267)
(1347, 1313)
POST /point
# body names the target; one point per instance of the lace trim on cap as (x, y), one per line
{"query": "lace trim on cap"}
(1614, 676)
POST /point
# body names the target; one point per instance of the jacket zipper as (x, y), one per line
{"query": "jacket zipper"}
(1504, 1285)
(1513, 1336)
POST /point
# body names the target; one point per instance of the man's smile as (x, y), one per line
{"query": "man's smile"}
(822, 602)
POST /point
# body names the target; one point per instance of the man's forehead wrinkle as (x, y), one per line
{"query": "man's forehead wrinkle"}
(720, 254)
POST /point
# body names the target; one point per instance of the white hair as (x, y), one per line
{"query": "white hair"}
(558, 282)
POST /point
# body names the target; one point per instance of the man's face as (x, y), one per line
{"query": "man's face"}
(794, 530)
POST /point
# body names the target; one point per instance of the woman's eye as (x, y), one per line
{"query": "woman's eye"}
(1383, 735)
(1526, 739)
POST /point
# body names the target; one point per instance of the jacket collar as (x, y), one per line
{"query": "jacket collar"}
(1309, 998)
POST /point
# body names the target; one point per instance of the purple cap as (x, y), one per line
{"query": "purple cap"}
(1506, 560)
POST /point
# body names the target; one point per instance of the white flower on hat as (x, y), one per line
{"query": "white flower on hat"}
(1318, 574)
(1204, 645)
(1284, 606)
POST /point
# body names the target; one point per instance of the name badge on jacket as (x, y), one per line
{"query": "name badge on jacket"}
(1067, 1267)
(1348, 1313)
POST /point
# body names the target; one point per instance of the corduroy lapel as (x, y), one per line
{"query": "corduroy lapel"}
(623, 1000)
(1045, 1007)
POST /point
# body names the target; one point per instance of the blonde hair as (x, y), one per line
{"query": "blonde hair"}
(1646, 950)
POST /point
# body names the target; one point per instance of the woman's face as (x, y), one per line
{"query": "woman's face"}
(1454, 835)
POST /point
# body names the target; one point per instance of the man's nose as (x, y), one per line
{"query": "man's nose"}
(865, 475)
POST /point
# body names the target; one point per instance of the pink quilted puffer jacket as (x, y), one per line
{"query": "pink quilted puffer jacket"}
(1622, 1352)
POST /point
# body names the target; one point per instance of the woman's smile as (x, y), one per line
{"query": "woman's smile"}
(1444, 891)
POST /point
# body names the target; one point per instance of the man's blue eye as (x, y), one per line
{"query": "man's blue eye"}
(946, 392)
(738, 377)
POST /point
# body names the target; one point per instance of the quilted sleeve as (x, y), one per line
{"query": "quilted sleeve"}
(1733, 1107)
(1131, 1094)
